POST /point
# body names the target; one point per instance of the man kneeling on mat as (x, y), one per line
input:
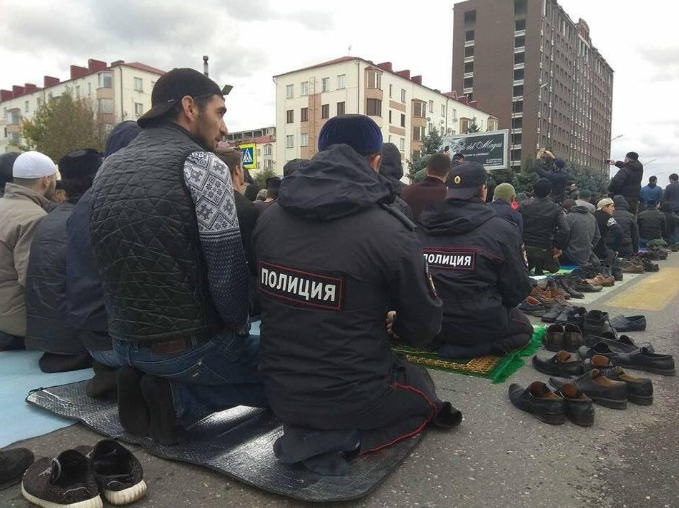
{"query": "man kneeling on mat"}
(332, 258)
(479, 267)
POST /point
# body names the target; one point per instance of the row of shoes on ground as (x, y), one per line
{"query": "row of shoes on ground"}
(594, 322)
(81, 476)
(570, 337)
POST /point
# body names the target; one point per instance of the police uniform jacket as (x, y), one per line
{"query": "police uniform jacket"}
(333, 257)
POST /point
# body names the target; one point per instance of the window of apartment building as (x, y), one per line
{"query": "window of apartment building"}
(105, 106)
(520, 7)
(516, 139)
(431, 106)
(519, 74)
(374, 107)
(469, 35)
(290, 116)
(374, 80)
(38, 101)
(520, 24)
(403, 95)
(468, 51)
(289, 91)
(304, 140)
(138, 108)
(443, 110)
(341, 81)
(518, 91)
(77, 91)
(14, 137)
(402, 144)
(468, 67)
(304, 88)
(325, 111)
(290, 141)
(325, 82)
(89, 89)
(267, 149)
(431, 127)
(341, 108)
(469, 18)
(391, 90)
(464, 124)
(304, 115)
(403, 120)
(418, 133)
(105, 80)
(468, 83)
(520, 42)
(493, 124)
(139, 84)
(519, 58)
(13, 117)
(517, 123)
(419, 110)
(390, 116)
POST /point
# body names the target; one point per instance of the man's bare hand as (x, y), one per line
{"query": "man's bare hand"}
(391, 315)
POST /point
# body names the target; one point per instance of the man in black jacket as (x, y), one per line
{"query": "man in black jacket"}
(671, 194)
(557, 176)
(611, 232)
(545, 230)
(391, 168)
(628, 224)
(47, 327)
(652, 224)
(333, 258)
(477, 261)
(166, 237)
(627, 181)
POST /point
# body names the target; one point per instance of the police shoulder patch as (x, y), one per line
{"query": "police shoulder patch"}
(451, 258)
(611, 222)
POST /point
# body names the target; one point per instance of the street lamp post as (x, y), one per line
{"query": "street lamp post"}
(511, 141)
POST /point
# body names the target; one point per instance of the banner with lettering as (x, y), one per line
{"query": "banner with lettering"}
(489, 148)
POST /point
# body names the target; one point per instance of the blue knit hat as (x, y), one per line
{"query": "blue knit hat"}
(358, 131)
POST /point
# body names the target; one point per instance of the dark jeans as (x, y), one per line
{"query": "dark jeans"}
(11, 342)
(213, 375)
(109, 358)
(633, 205)
(541, 259)
(519, 333)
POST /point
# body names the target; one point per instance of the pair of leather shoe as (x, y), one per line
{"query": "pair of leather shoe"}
(553, 407)
(559, 337)
(639, 359)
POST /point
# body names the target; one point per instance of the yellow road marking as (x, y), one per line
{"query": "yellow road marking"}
(654, 293)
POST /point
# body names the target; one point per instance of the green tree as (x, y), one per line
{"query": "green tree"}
(589, 179)
(473, 127)
(262, 177)
(61, 125)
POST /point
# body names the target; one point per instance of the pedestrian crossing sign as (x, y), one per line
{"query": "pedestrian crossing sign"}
(249, 155)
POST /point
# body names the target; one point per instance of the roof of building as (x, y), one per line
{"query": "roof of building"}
(330, 62)
(259, 140)
(142, 67)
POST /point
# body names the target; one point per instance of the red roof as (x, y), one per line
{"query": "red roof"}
(259, 140)
(143, 67)
(331, 62)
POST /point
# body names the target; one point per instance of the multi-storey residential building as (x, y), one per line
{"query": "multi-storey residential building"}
(120, 91)
(402, 106)
(538, 71)
(264, 140)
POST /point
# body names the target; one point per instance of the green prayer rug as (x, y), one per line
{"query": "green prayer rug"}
(495, 368)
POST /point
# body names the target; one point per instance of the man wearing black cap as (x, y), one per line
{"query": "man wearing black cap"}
(545, 229)
(333, 258)
(47, 326)
(477, 261)
(166, 237)
(627, 181)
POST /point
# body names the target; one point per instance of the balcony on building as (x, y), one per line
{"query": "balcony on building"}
(519, 66)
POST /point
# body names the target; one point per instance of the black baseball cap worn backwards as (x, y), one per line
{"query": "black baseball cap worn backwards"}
(464, 179)
(172, 87)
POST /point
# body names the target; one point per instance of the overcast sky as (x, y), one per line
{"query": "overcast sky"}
(249, 41)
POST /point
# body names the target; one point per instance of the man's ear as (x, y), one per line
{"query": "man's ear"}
(374, 161)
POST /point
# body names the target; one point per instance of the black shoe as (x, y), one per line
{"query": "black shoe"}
(51, 363)
(643, 359)
(158, 397)
(132, 408)
(569, 288)
(573, 316)
(553, 313)
(600, 389)
(650, 267)
(540, 401)
(104, 383)
(118, 473)
(573, 338)
(596, 323)
(600, 348)
(579, 408)
(629, 323)
(562, 364)
(66, 481)
(13, 465)
(622, 344)
(532, 307)
(617, 273)
(554, 339)
(639, 389)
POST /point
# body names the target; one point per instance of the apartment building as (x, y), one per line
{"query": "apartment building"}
(537, 70)
(402, 106)
(119, 91)
(264, 140)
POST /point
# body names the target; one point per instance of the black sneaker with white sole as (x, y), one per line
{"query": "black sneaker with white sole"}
(118, 473)
(66, 481)
(13, 465)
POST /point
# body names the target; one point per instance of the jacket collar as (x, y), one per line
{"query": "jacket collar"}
(14, 191)
(432, 181)
(175, 126)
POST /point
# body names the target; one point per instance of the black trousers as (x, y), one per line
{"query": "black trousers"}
(541, 259)
(407, 407)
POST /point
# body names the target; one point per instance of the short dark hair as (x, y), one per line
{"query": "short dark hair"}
(74, 187)
(232, 157)
(665, 206)
(272, 193)
(173, 114)
(458, 157)
(653, 179)
(674, 177)
(439, 165)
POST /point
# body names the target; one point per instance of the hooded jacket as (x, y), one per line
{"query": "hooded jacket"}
(544, 223)
(331, 256)
(611, 234)
(392, 169)
(652, 224)
(477, 261)
(628, 224)
(21, 210)
(627, 181)
(583, 236)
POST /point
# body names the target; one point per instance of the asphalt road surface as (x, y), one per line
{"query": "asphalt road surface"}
(499, 456)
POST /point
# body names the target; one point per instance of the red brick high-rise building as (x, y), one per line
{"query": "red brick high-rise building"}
(539, 73)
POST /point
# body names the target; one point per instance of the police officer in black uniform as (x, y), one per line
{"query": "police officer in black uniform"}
(478, 263)
(333, 258)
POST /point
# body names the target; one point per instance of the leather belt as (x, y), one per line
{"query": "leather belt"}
(170, 346)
